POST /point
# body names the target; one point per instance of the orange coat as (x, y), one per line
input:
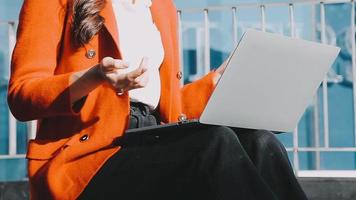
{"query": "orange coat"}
(60, 163)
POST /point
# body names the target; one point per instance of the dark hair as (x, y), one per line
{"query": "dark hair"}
(87, 21)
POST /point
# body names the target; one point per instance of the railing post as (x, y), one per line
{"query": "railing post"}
(292, 21)
(12, 120)
(180, 43)
(295, 132)
(31, 129)
(263, 17)
(200, 51)
(234, 26)
(316, 121)
(207, 42)
(316, 131)
(325, 82)
(353, 51)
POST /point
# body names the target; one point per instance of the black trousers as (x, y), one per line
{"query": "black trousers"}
(198, 162)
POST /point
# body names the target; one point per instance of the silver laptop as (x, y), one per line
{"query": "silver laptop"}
(268, 83)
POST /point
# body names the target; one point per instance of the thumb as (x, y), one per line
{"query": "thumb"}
(108, 61)
(141, 69)
(144, 63)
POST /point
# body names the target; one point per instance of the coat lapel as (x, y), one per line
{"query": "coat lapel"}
(169, 102)
(110, 22)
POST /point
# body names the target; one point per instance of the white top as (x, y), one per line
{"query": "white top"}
(138, 38)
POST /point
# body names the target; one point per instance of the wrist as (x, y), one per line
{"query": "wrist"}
(98, 73)
(216, 77)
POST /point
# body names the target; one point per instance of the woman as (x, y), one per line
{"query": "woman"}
(87, 70)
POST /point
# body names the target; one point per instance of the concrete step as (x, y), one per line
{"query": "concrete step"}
(14, 190)
(315, 188)
(329, 188)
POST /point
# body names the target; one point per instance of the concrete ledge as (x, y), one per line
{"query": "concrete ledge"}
(329, 188)
(315, 188)
(14, 191)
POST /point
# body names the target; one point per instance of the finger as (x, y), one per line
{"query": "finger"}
(120, 64)
(138, 85)
(109, 64)
(136, 73)
(144, 63)
(142, 80)
(141, 69)
(109, 61)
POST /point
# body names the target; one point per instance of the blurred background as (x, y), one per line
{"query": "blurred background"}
(322, 149)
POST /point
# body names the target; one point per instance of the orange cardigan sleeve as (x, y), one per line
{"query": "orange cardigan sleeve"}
(196, 95)
(34, 91)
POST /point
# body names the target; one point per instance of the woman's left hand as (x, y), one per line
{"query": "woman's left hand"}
(222, 67)
(220, 70)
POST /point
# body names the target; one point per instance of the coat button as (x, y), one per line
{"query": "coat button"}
(179, 75)
(84, 138)
(182, 117)
(90, 53)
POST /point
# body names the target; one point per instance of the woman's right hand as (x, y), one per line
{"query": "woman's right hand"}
(113, 72)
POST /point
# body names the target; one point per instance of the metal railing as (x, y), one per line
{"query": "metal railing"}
(31, 126)
(333, 77)
(204, 66)
(12, 151)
